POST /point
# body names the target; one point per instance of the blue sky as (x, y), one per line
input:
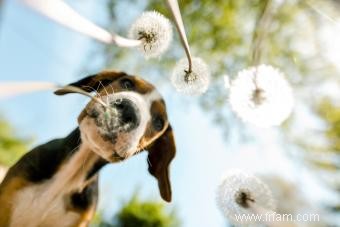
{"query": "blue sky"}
(33, 48)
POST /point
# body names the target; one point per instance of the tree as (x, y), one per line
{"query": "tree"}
(142, 214)
(224, 33)
(330, 112)
(11, 147)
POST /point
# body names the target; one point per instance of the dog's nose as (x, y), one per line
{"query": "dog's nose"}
(129, 112)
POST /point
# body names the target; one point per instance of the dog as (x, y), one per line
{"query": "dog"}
(56, 184)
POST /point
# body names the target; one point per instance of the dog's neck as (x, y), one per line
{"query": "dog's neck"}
(79, 169)
(78, 164)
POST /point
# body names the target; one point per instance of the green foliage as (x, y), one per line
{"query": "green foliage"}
(11, 147)
(224, 33)
(330, 113)
(142, 214)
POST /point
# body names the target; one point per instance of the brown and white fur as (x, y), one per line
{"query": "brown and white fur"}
(56, 184)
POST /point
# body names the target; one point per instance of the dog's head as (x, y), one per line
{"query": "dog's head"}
(134, 119)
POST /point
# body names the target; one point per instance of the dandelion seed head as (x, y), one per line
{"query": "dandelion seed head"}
(238, 191)
(261, 96)
(243, 198)
(192, 83)
(155, 32)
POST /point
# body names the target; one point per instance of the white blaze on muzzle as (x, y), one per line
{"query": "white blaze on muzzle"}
(113, 123)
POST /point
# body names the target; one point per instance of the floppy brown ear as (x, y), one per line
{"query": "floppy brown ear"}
(161, 153)
(92, 82)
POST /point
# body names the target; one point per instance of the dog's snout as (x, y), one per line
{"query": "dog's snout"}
(129, 112)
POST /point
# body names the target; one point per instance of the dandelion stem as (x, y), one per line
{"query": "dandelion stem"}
(60, 12)
(260, 33)
(12, 88)
(82, 92)
(323, 14)
(8, 89)
(176, 14)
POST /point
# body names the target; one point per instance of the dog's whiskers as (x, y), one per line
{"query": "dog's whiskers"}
(149, 161)
(107, 94)
(82, 92)
(112, 88)
(139, 149)
(127, 155)
(94, 90)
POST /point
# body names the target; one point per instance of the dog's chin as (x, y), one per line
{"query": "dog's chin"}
(113, 151)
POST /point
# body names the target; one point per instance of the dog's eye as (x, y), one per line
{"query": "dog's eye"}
(127, 84)
(158, 123)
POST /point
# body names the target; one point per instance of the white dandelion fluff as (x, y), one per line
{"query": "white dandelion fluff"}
(242, 193)
(155, 32)
(261, 96)
(192, 83)
(226, 81)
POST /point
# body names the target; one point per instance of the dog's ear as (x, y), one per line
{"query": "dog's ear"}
(92, 82)
(161, 153)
